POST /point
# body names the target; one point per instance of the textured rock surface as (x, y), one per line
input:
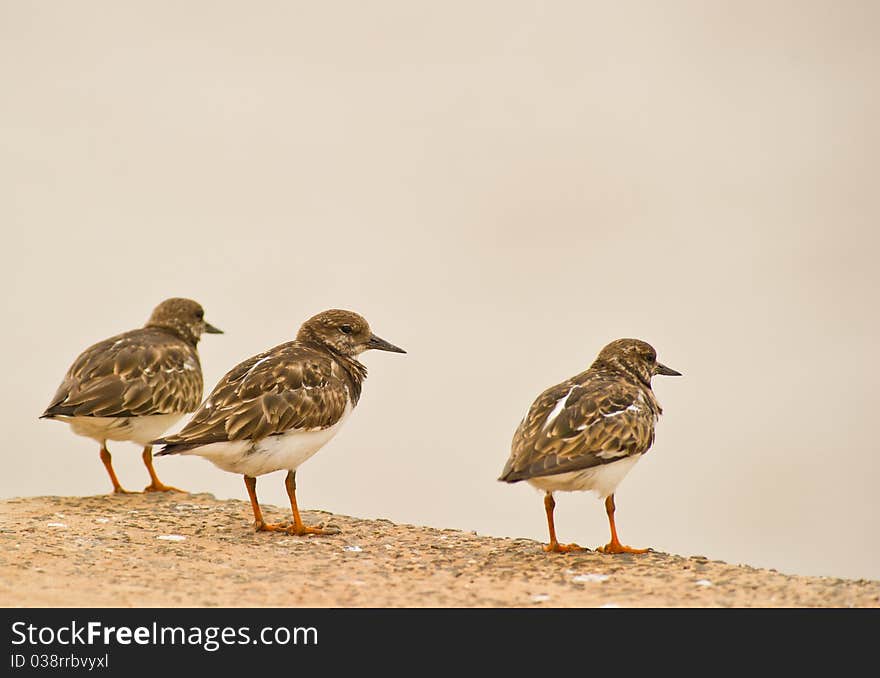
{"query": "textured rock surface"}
(184, 550)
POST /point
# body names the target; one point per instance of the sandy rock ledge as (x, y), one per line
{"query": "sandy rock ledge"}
(191, 550)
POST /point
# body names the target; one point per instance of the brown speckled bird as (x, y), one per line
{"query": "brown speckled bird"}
(136, 385)
(275, 410)
(589, 431)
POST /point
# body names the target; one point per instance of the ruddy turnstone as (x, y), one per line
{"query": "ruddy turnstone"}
(273, 411)
(589, 431)
(136, 385)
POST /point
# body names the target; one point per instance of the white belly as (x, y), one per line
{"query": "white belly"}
(284, 452)
(602, 480)
(139, 430)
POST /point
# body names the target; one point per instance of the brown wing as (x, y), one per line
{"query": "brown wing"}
(288, 387)
(586, 421)
(138, 373)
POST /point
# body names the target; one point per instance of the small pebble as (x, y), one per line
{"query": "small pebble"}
(591, 577)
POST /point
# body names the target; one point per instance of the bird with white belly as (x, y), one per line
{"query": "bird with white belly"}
(589, 431)
(275, 410)
(136, 385)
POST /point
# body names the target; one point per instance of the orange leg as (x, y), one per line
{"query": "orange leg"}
(614, 546)
(554, 546)
(298, 528)
(260, 525)
(108, 464)
(155, 485)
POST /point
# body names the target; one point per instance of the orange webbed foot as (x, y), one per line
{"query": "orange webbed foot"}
(161, 487)
(616, 547)
(556, 547)
(302, 530)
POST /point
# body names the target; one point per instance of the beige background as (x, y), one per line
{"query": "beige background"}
(499, 187)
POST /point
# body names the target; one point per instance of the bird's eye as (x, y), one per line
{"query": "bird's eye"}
(200, 314)
(345, 329)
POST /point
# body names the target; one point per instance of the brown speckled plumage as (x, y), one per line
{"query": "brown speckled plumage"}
(603, 415)
(136, 380)
(138, 373)
(305, 384)
(609, 414)
(150, 370)
(276, 409)
(291, 386)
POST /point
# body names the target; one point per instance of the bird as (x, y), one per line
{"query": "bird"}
(275, 410)
(136, 385)
(587, 432)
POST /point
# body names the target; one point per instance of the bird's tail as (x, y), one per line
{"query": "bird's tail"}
(54, 410)
(171, 447)
(166, 449)
(509, 475)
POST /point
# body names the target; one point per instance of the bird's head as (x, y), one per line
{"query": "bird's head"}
(634, 357)
(345, 332)
(184, 317)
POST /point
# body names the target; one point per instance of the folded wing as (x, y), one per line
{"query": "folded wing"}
(138, 373)
(287, 388)
(572, 427)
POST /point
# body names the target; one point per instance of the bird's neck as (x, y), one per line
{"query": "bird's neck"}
(623, 369)
(179, 330)
(636, 378)
(356, 373)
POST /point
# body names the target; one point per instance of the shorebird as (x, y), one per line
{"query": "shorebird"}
(136, 385)
(275, 410)
(589, 431)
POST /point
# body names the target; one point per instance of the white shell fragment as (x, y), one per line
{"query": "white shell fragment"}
(591, 577)
(171, 537)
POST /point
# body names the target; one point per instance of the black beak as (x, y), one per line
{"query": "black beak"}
(210, 329)
(382, 345)
(667, 371)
